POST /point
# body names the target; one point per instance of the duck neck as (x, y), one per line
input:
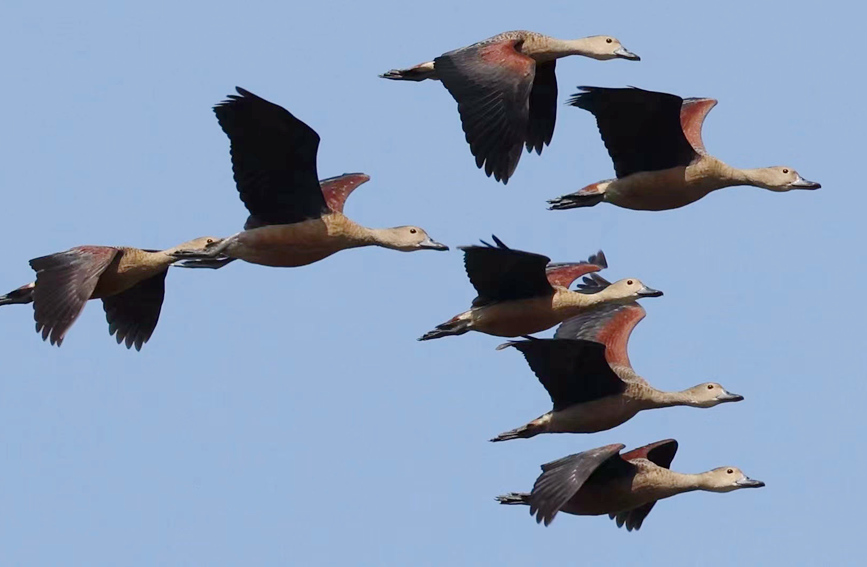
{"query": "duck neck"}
(751, 177)
(564, 47)
(685, 482)
(157, 260)
(384, 237)
(660, 399)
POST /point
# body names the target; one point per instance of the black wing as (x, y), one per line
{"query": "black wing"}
(572, 371)
(274, 160)
(491, 83)
(660, 453)
(132, 315)
(543, 107)
(501, 274)
(641, 129)
(561, 479)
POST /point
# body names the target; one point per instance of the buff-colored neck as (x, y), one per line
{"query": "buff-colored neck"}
(557, 48)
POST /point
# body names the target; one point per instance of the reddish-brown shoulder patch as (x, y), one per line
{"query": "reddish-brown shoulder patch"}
(692, 115)
(337, 189)
(505, 54)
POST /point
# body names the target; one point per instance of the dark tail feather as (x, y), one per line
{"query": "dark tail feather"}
(586, 197)
(22, 295)
(514, 498)
(575, 200)
(212, 263)
(523, 432)
(417, 73)
(452, 327)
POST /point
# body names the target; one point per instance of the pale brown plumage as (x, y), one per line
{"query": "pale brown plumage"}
(294, 218)
(626, 487)
(506, 90)
(654, 140)
(130, 282)
(515, 296)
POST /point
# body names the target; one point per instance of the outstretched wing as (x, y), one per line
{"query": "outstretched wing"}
(543, 107)
(132, 315)
(608, 323)
(491, 82)
(660, 453)
(641, 129)
(500, 273)
(564, 273)
(64, 283)
(337, 189)
(273, 158)
(562, 479)
(572, 371)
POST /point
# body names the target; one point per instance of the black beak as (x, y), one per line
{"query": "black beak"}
(624, 53)
(801, 183)
(431, 244)
(729, 397)
(748, 482)
(649, 292)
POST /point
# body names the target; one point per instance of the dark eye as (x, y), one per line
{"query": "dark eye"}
(210, 241)
(710, 386)
(730, 471)
(628, 282)
(609, 40)
(412, 231)
(785, 170)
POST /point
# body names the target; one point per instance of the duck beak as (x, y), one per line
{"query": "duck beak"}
(431, 244)
(801, 183)
(729, 397)
(649, 292)
(748, 482)
(624, 53)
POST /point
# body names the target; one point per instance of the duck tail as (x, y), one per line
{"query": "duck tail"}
(513, 498)
(454, 326)
(211, 263)
(524, 432)
(417, 73)
(22, 295)
(586, 197)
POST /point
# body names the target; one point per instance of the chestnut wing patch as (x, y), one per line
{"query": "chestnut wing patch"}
(337, 189)
(610, 324)
(563, 274)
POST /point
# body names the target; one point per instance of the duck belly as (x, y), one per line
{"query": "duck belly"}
(286, 246)
(516, 318)
(591, 417)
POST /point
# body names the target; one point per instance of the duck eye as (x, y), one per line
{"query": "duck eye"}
(628, 282)
(730, 471)
(210, 241)
(609, 40)
(412, 231)
(785, 170)
(710, 386)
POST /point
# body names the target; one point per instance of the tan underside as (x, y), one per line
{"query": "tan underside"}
(670, 188)
(528, 316)
(127, 269)
(299, 244)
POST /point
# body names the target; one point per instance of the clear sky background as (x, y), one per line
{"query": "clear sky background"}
(289, 417)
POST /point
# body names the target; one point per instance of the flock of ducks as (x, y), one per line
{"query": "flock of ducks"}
(506, 91)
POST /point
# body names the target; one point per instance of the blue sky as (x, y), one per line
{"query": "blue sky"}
(289, 417)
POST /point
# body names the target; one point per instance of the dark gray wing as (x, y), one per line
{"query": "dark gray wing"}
(64, 283)
(500, 273)
(660, 453)
(641, 129)
(561, 479)
(273, 158)
(132, 315)
(543, 107)
(491, 83)
(572, 371)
